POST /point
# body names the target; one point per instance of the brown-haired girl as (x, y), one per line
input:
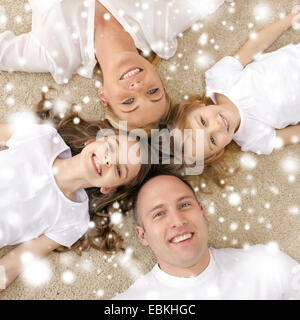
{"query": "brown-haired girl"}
(43, 202)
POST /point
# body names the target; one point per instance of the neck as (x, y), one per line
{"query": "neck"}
(67, 179)
(190, 271)
(110, 38)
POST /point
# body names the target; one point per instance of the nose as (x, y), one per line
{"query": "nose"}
(218, 124)
(107, 160)
(177, 219)
(136, 85)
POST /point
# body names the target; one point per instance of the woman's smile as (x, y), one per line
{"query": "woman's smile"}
(130, 73)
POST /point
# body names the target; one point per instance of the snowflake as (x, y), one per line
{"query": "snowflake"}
(68, 277)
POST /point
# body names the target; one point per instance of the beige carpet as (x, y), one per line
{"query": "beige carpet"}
(260, 205)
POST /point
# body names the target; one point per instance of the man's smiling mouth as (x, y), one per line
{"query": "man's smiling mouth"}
(182, 237)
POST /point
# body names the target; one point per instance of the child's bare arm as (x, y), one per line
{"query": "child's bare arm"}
(11, 264)
(5, 133)
(289, 135)
(264, 38)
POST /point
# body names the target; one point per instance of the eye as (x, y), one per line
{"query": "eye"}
(118, 171)
(152, 91)
(110, 147)
(203, 122)
(128, 101)
(158, 214)
(185, 205)
(212, 140)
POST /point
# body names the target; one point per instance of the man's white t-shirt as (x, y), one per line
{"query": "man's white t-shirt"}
(31, 202)
(232, 274)
(61, 40)
(266, 93)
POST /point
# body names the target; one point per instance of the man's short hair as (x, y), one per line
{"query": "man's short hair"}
(147, 179)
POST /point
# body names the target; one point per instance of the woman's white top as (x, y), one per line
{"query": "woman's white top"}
(266, 93)
(61, 40)
(31, 202)
(255, 273)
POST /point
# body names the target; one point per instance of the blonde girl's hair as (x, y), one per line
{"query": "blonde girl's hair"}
(215, 168)
(102, 236)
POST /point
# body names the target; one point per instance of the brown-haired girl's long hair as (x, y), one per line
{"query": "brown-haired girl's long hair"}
(101, 236)
(214, 166)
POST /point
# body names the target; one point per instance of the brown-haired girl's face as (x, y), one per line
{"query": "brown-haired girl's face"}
(110, 162)
(135, 91)
(218, 123)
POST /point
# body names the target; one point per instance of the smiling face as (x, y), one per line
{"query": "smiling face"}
(101, 162)
(219, 124)
(173, 223)
(134, 91)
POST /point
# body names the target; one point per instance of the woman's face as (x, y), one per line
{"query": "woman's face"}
(134, 91)
(110, 162)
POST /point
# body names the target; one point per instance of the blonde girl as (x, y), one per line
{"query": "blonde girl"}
(254, 103)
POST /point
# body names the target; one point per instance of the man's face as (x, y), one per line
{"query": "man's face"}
(174, 225)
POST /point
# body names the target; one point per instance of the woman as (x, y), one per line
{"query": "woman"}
(66, 35)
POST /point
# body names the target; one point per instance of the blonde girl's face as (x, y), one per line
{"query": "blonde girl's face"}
(218, 124)
(110, 162)
(135, 91)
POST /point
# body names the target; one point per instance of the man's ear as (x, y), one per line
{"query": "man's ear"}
(102, 96)
(141, 234)
(106, 190)
(202, 210)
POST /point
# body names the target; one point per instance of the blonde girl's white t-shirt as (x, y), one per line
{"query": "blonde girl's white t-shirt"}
(61, 40)
(232, 274)
(31, 202)
(266, 93)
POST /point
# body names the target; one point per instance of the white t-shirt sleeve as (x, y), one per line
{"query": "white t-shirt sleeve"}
(22, 53)
(27, 132)
(69, 228)
(256, 137)
(222, 76)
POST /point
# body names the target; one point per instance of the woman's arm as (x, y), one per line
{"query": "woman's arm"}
(264, 39)
(11, 264)
(289, 135)
(5, 133)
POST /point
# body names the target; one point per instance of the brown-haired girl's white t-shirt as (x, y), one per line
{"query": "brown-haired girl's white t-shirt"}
(31, 203)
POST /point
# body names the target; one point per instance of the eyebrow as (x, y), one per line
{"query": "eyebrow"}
(126, 167)
(158, 99)
(131, 109)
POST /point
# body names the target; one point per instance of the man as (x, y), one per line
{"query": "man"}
(172, 222)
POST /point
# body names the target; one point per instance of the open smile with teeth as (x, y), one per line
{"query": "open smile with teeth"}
(181, 238)
(226, 123)
(131, 73)
(97, 165)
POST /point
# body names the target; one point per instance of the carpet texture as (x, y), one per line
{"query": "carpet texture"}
(260, 204)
